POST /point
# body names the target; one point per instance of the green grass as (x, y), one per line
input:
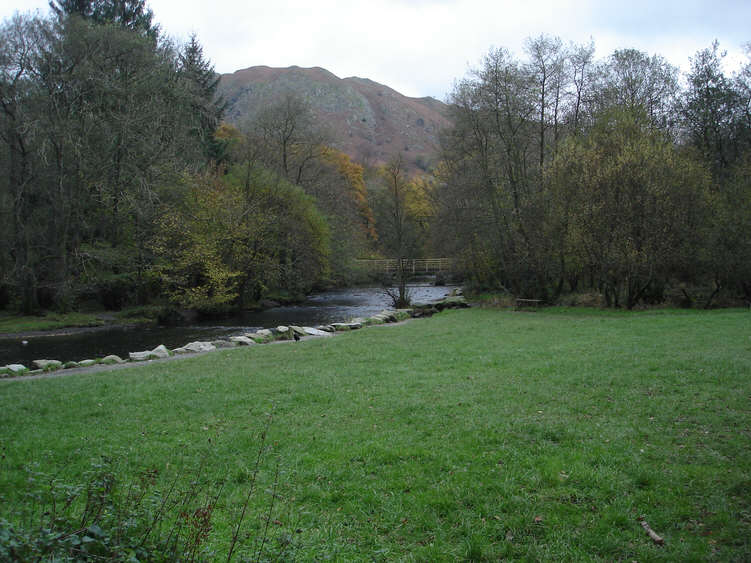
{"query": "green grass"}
(10, 323)
(473, 435)
(48, 321)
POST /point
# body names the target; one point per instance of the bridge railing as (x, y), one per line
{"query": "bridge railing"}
(410, 265)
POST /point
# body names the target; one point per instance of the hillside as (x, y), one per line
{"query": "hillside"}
(367, 120)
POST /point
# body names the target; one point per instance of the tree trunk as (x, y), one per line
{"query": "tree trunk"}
(709, 300)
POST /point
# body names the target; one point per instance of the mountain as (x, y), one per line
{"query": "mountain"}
(367, 120)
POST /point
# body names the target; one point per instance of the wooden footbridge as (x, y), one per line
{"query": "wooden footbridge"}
(412, 266)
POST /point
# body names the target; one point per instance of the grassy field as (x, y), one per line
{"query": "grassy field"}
(474, 435)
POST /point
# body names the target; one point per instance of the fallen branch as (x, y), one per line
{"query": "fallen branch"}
(655, 538)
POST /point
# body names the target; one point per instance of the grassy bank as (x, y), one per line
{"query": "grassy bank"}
(50, 321)
(475, 434)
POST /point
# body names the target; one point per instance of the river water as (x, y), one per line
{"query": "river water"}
(322, 308)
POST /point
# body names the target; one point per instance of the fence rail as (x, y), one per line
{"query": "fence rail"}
(410, 265)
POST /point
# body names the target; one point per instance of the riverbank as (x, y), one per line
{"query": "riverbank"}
(263, 336)
(16, 325)
(56, 324)
(101, 367)
(475, 434)
(73, 345)
(50, 323)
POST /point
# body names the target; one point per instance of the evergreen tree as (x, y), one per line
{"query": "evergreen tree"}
(200, 83)
(128, 14)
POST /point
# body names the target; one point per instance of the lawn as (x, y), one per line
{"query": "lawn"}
(476, 434)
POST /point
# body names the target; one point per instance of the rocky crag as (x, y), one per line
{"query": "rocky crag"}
(367, 120)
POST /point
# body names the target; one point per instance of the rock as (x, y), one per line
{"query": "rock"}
(16, 369)
(224, 343)
(155, 354)
(314, 332)
(382, 317)
(452, 302)
(112, 359)
(242, 340)
(138, 356)
(70, 365)
(87, 363)
(300, 331)
(377, 320)
(47, 365)
(402, 314)
(196, 347)
(161, 351)
(283, 333)
(261, 337)
(339, 327)
(423, 310)
(327, 328)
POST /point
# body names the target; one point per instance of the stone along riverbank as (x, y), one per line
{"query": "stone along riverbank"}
(262, 336)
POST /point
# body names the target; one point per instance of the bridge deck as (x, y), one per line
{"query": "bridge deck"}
(410, 265)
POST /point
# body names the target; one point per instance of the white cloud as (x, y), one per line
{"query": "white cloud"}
(420, 47)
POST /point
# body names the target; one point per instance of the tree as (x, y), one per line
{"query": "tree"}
(401, 209)
(94, 121)
(225, 246)
(292, 144)
(492, 158)
(712, 111)
(353, 174)
(200, 83)
(633, 80)
(20, 41)
(285, 138)
(633, 205)
(580, 63)
(729, 244)
(546, 68)
(132, 15)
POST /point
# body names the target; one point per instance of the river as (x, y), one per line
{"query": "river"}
(322, 308)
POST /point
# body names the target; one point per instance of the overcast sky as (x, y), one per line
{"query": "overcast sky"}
(420, 47)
